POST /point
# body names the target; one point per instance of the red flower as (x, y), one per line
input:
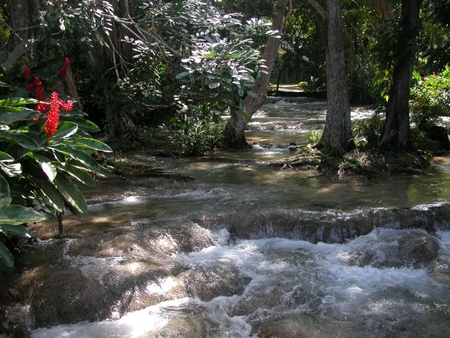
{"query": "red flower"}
(26, 71)
(51, 123)
(39, 95)
(63, 72)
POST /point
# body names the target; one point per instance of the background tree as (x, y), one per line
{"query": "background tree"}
(396, 135)
(337, 134)
(234, 133)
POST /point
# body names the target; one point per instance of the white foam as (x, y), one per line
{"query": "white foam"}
(309, 278)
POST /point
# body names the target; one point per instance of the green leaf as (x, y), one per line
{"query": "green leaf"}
(85, 159)
(8, 166)
(181, 75)
(52, 194)
(49, 170)
(71, 194)
(253, 94)
(88, 126)
(5, 198)
(93, 144)
(15, 103)
(6, 256)
(17, 214)
(5, 157)
(18, 230)
(21, 139)
(80, 175)
(214, 85)
(20, 114)
(65, 130)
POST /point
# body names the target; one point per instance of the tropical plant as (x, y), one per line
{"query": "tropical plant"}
(431, 98)
(46, 153)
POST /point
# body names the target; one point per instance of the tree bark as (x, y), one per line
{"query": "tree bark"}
(337, 134)
(234, 133)
(19, 18)
(396, 136)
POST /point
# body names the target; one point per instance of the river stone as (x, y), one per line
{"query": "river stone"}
(187, 327)
(392, 248)
(207, 283)
(15, 321)
(314, 227)
(64, 297)
(292, 325)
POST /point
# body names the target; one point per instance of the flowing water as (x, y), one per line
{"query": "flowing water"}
(296, 289)
(226, 254)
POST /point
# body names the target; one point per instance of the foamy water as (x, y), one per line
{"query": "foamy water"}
(297, 281)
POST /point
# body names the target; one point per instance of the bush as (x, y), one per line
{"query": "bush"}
(45, 155)
(430, 98)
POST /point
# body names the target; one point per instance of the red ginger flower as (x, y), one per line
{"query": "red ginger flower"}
(26, 71)
(63, 72)
(51, 123)
(39, 95)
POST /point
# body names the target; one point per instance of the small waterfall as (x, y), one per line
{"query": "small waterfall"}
(293, 288)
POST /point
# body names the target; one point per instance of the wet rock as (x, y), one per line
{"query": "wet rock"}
(68, 297)
(332, 226)
(328, 227)
(187, 327)
(291, 325)
(144, 241)
(15, 321)
(440, 270)
(207, 283)
(148, 293)
(392, 248)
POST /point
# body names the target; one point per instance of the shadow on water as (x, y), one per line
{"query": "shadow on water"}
(246, 250)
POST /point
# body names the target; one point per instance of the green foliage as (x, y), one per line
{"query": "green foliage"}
(40, 174)
(367, 132)
(430, 98)
(302, 54)
(195, 131)
(209, 69)
(313, 85)
(314, 135)
(187, 52)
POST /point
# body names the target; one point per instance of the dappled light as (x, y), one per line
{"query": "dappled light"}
(217, 169)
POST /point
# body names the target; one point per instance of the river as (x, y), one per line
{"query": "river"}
(241, 249)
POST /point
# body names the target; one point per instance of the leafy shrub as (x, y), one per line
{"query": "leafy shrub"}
(45, 155)
(194, 132)
(430, 98)
(367, 132)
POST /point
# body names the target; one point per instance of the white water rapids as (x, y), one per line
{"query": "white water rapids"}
(275, 287)
(296, 284)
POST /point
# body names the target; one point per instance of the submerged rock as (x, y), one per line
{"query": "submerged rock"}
(392, 248)
(333, 226)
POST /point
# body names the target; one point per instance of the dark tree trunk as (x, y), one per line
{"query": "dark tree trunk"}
(396, 134)
(234, 133)
(19, 19)
(337, 134)
(118, 55)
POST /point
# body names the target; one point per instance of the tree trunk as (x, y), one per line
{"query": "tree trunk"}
(117, 55)
(234, 133)
(337, 134)
(396, 134)
(19, 18)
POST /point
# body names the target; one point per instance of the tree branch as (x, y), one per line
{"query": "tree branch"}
(319, 8)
